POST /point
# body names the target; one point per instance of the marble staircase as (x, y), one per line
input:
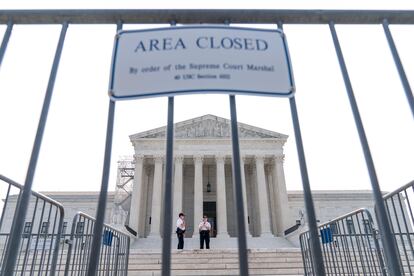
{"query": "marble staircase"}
(286, 261)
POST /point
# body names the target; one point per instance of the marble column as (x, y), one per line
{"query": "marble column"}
(246, 210)
(272, 200)
(221, 198)
(281, 196)
(263, 197)
(177, 189)
(156, 198)
(135, 218)
(198, 192)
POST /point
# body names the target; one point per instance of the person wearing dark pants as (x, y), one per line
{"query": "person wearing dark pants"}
(204, 227)
(180, 230)
(180, 237)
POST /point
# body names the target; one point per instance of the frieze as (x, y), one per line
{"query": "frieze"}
(149, 143)
(209, 126)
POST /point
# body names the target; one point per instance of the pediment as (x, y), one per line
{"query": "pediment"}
(209, 127)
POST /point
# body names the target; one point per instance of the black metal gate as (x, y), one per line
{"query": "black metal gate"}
(278, 17)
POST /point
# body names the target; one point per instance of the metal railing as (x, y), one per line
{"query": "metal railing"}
(350, 243)
(46, 250)
(38, 251)
(400, 212)
(280, 17)
(113, 255)
(350, 246)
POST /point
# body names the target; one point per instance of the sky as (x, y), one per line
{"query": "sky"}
(73, 146)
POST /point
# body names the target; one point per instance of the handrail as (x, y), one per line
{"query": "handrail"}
(50, 201)
(82, 214)
(45, 198)
(343, 217)
(390, 194)
(196, 16)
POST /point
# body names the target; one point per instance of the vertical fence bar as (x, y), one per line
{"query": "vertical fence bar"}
(70, 245)
(390, 248)
(315, 246)
(6, 199)
(378, 251)
(368, 235)
(399, 233)
(126, 256)
(362, 252)
(29, 236)
(327, 260)
(5, 41)
(100, 213)
(58, 238)
(238, 190)
(407, 230)
(304, 253)
(166, 241)
(21, 210)
(398, 64)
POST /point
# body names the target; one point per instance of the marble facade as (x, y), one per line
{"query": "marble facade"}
(203, 178)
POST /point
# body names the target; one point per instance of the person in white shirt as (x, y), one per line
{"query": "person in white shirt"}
(180, 230)
(204, 227)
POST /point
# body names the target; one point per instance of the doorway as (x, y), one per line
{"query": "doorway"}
(209, 209)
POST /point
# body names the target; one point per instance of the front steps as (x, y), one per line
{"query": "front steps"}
(217, 262)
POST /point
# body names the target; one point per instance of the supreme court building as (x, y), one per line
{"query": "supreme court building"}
(203, 178)
(202, 184)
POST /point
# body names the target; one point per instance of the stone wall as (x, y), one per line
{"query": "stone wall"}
(330, 204)
(72, 202)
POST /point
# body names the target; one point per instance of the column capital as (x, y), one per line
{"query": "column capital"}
(179, 158)
(243, 158)
(279, 158)
(259, 158)
(138, 158)
(198, 158)
(220, 158)
(158, 158)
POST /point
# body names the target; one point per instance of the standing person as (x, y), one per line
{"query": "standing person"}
(204, 227)
(180, 230)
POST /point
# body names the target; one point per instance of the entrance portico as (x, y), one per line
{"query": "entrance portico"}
(203, 178)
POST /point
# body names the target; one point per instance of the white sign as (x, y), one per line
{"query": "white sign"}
(200, 59)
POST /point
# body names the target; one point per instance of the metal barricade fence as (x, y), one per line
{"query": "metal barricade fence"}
(279, 17)
(45, 250)
(41, 238)
(400, 212)
(114, 252)
(350, 246)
